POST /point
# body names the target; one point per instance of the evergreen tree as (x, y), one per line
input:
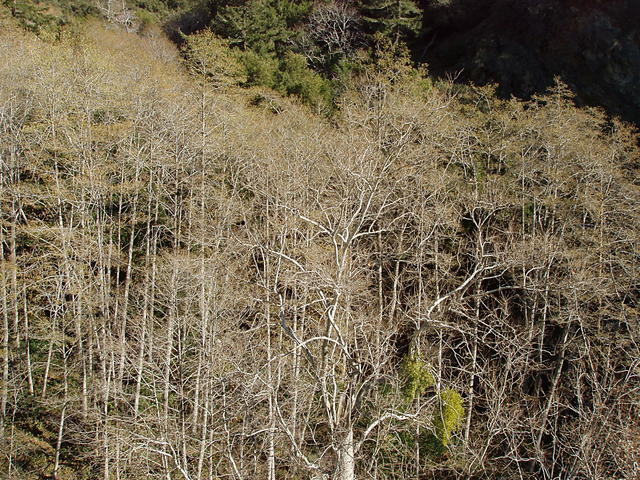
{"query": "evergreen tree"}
(30, 15)
(263, 26)
(397, 19)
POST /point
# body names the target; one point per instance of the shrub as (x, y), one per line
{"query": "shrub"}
(416, 377)
(448, 415)
(260, 70)
(295, 77)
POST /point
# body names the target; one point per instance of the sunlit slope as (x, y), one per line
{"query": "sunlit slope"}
(206, 282)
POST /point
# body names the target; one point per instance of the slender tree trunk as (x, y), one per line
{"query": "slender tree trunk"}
(26, 341)
(551, 397)
(13, 260)
(271, 456)
(203, 440)
(56, 466)
(5, 339)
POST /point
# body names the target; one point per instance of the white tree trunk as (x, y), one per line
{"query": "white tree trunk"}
(346, 461)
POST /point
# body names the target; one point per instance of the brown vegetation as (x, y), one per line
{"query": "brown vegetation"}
(436, 284)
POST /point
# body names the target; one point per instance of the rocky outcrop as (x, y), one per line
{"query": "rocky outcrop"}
(592, 45)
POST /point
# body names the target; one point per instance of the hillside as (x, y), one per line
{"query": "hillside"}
(203, 280)
(593, 46)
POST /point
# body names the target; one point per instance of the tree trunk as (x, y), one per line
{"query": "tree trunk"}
(4, 396)
(56, 466)
(346, 460)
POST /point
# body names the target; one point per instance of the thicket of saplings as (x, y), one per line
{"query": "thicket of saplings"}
(202, 282)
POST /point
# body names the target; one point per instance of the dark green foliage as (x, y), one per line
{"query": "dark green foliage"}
(260, 70)
(32, 16)
(49, 18)
(296, 78)
(163, 7)
(265, 31)
(188, 20)
(284, 42)
(395, 19)
(155, 6)
(264, 26)
(79, 8)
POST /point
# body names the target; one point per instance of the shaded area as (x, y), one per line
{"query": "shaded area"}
(592, 45)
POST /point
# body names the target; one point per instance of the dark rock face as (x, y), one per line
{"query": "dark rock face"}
(592, 45)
